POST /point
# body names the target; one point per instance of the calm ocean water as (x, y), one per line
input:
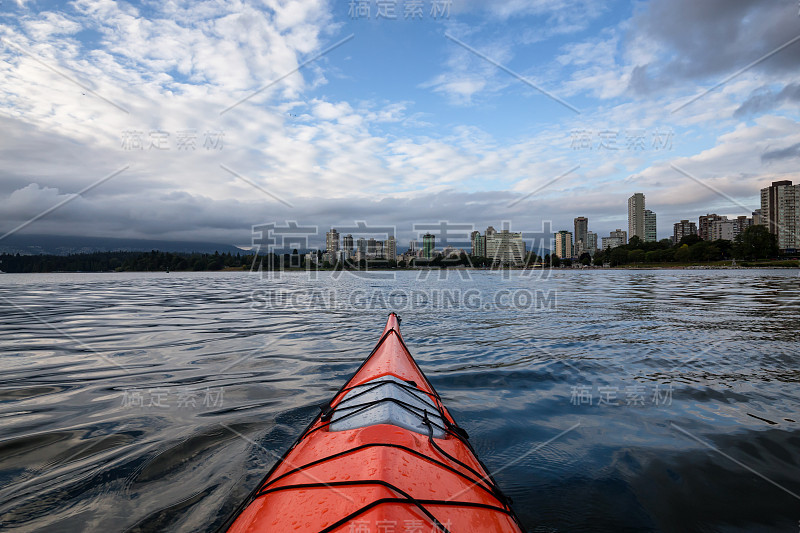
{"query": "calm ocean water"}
(603, 400)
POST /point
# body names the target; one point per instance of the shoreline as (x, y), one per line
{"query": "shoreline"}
(556, 269)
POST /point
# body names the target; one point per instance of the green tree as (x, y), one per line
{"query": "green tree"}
(682, 253)
(690, 240)
(618, 256)
(756, 242)
(636, 256)
(635, 242)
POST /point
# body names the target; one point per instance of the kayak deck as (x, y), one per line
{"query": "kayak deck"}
(384, 455)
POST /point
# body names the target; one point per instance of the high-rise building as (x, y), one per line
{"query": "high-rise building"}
(380, 252)
(361, 247)
(758, 220)
(682, 229)
(636, 223)
(581, 235)
(743, 223)
(505, 247)
(372, 248)
(478, 244)
(332, 242)
(723, 229)
(616, 238)
(428, 245)
(704, 225)
(780, 212)
(591, 243)
(391, 249)
(650, 226)
(347, 243)
(563, 247)
(412, 247)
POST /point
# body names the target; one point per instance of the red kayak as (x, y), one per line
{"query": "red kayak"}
(383, 456)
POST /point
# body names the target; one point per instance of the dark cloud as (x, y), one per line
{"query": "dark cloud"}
(790, 152)
(712, 38)
(763, 99)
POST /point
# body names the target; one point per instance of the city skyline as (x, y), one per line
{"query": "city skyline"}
(567, 244)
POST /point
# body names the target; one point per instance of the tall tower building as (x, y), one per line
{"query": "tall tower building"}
(780, 212)
(563, 247)
(636, 216)
(704, 225)
(391, 249)
(478, 244)
(682, 229)
(332, 242)
(506, 248)
(347, 243)
(650, 227)
(428, 245)
(581, 235)
(591, 243)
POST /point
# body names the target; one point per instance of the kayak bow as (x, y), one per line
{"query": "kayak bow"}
(384, 455)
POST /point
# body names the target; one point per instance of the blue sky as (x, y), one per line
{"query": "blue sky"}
(400, 124)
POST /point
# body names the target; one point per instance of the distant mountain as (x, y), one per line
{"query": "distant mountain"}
(60, 245)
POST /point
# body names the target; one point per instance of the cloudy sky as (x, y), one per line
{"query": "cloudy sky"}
(195, 120)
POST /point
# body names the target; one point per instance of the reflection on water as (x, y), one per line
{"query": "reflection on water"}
(147, 402)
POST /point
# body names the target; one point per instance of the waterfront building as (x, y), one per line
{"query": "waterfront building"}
(372, 248)
(682, 229)
(413, 247)
(780, 212)
(616, 238)
(428, 245)
(361, 246)
(650, 226)
(742, 223)
(347, 243)
(478, 244)
(563, 247)
(581, 235)
(636, 222)
(332, 242)
(505, 247)
(723, 229)
(391, 249)
(704, 225)
(591, 243)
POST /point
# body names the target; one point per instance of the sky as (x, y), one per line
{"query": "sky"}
(198, 120)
